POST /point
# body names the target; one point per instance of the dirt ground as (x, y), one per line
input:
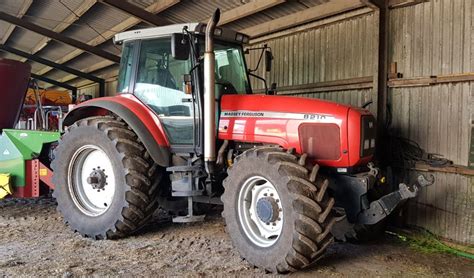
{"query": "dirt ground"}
(35, 242)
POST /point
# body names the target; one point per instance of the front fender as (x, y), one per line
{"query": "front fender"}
(140, 119)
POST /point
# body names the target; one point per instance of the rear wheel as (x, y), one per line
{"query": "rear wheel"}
(106, 182)
(277, 213)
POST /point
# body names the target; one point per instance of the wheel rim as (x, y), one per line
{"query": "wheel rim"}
(260, 211)
(91, 180)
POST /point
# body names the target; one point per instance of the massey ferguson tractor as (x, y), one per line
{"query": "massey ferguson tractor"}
(185, 130)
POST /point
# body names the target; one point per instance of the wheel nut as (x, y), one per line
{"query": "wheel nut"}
(271, 194)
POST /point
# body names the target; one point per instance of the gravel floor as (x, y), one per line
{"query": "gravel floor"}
(35, 242)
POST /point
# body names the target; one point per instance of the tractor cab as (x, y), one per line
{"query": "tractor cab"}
(163, 68)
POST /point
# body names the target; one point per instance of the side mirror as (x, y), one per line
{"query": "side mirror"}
(268, 60)
(180, 46)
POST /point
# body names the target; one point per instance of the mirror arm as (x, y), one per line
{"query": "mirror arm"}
(263, 48)
(261, 78)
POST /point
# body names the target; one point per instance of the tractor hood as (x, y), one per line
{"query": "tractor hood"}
(293, 106)
(327, 131)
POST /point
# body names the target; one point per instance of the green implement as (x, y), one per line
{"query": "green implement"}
(18, 146)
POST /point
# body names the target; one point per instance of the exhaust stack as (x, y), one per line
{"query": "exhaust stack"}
(210, 95)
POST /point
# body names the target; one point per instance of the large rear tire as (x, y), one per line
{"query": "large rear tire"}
(106, 182)
(277, 213)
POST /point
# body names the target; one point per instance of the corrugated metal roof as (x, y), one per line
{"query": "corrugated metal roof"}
(12, 7)
(45, 13)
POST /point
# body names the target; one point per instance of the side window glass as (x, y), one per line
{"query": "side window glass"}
(126, 63)
(160, 85)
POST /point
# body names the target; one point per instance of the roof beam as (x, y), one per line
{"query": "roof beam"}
(321, 11)
(156, 7)
(24, 8)
(247, 10)
(137, 12)
(43, 61)
(58, 37)
(68, 21)
(54, 82)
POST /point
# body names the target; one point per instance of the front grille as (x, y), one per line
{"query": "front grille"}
(321, 141)
(367, 136)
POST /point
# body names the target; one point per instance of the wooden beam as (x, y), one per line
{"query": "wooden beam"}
(430, 80)
(155, 8)
(247, 10)
(311, 14)
(404, 3)
(373, 4)
(24, 8)
(137, 12)
(68, 21)
(58, 37)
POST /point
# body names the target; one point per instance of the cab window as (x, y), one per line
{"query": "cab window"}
(159, 84)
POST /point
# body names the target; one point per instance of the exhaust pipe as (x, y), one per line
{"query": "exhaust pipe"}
(210, 95)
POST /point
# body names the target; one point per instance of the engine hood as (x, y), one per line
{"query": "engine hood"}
(329, 132)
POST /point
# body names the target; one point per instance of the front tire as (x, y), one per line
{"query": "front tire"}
(277, 213)
(106, 182)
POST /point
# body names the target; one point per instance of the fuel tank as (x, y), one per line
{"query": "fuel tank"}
(14, 78)
(332, 134)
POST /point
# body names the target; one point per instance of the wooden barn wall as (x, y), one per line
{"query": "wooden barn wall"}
(341, 50)
(437, 38)
(432, 38)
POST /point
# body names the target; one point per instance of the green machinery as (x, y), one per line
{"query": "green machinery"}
(24, 154)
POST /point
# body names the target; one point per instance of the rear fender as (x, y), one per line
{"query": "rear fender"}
(138, 117)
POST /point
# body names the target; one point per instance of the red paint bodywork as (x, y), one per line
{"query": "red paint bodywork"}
(146, 116)
(284, 131)
(278, 131)
(14, 78)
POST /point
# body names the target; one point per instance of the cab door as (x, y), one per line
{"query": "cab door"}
(159, 84)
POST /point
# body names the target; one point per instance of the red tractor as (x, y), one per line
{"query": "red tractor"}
(185, 129)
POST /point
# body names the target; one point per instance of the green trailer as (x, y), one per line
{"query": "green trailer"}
(24, 156)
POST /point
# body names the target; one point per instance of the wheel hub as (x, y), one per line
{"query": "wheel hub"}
(267, 209)
(92, 187)
(260, 211)
(97, 179)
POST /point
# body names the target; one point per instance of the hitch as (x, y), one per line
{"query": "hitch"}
(382, 207)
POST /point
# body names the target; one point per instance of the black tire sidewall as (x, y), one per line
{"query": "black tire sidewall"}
(73, 140)
(261, 256)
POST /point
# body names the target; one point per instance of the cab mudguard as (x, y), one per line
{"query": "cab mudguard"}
(138, 117)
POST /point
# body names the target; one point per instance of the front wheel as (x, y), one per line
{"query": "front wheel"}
(277, 213)
(106, 182)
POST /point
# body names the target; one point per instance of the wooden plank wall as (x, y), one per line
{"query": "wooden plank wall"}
(432, 38)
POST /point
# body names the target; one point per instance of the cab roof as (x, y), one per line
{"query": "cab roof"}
(196, 28)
